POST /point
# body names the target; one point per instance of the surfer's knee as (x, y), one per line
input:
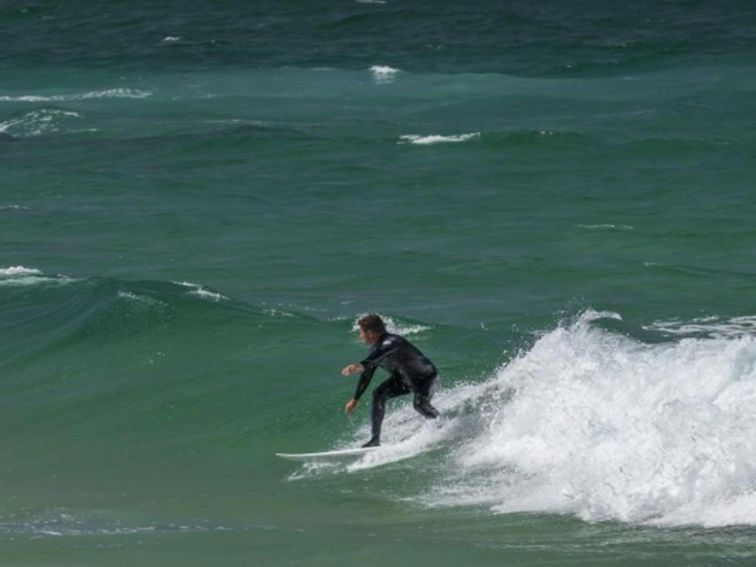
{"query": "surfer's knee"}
(379, 397)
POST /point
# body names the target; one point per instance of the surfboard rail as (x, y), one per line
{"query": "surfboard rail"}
(336, 455)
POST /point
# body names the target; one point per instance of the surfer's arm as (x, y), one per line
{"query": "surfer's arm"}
(367, 374)
(362, 384)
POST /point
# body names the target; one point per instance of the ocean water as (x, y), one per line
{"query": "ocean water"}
(554, 201)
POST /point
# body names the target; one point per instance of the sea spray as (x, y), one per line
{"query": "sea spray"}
(592, 423)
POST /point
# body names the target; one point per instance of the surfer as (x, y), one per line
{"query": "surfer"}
(410, 371)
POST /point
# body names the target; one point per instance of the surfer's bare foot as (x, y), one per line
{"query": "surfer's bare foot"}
(371, 443)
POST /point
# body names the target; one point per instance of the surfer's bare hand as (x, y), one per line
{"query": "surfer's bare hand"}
(351, 369)
(349, 407)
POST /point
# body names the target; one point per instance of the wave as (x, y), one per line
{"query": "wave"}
(547, 139)
(202, 292)
(383, 73)
(606, 226)
(38, 122)
(41, 311)
(710, 326)
(18, 271)
(501, 138)
(16, 276)
(138, 291)
(437, 139)
(108, 93)
(592, 423)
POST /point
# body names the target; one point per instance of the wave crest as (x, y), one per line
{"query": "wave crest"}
(595, 424)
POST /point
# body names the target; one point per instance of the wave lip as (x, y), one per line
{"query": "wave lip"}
(437, 139)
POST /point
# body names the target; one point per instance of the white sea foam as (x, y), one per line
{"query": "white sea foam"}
(16, 276)
(437, 139)
(594, 424)
(108, 93)
(171, 38)
(383, 73)
(15, 271)
(37, 122)
(202, 292)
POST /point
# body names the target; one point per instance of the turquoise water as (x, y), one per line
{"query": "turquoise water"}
(553, 202)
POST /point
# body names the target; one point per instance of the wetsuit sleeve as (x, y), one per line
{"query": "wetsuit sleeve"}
(365, 377)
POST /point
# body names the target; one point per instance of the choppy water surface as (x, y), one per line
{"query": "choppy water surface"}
(553, 202)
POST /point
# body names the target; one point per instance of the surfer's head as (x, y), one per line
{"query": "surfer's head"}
(372, 328)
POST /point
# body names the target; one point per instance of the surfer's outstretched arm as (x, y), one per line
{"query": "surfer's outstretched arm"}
(363, 382)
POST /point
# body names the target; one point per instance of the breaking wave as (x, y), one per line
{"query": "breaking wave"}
(591, 423)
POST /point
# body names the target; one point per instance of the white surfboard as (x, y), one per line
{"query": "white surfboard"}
(328, 456)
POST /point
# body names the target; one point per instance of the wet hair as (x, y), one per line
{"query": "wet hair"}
(372, 322)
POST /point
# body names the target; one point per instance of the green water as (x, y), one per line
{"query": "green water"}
(553, 202)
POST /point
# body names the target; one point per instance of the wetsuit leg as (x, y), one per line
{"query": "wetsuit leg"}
(423, 395)
(391, 388)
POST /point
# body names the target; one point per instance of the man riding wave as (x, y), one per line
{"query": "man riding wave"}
(410, 371)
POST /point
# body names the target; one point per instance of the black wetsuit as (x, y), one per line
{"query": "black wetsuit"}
(410, 370)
